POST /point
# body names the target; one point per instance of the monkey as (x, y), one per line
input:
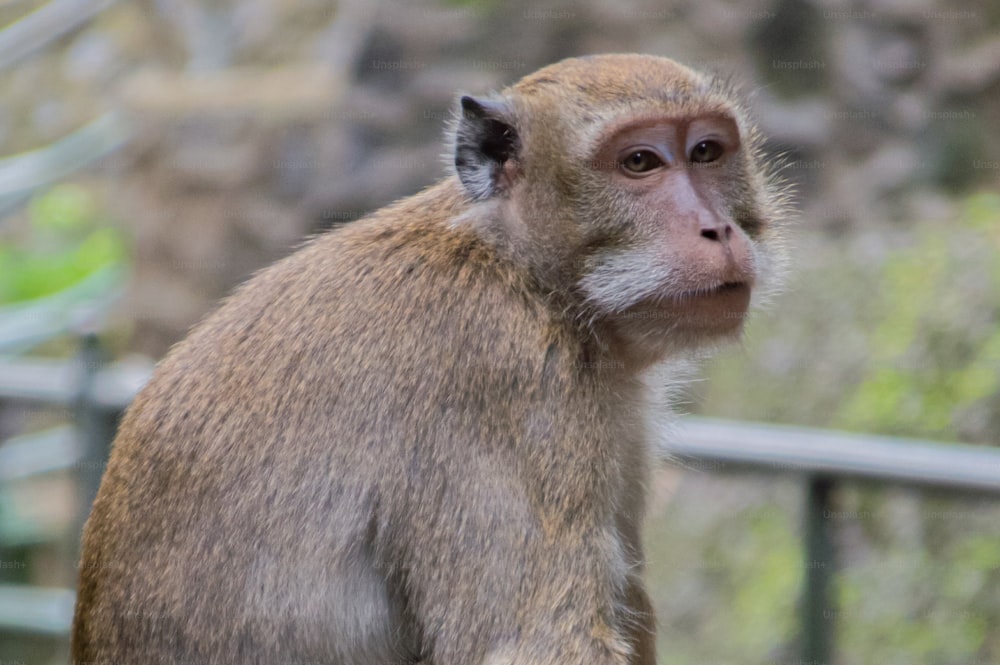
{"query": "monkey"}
(425, 437)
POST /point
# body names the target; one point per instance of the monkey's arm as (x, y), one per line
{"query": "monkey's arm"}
(526, 586)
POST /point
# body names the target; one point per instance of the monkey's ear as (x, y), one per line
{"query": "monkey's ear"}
(484, 140)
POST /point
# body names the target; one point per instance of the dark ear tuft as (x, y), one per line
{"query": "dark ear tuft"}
(485, 139)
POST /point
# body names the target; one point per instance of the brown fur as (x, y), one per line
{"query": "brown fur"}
(409, 441)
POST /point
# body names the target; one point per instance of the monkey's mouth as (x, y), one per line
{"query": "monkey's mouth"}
(731, 286)
(723, 289)
(716, 309)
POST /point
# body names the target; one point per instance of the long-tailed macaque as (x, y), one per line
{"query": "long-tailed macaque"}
(425, 436)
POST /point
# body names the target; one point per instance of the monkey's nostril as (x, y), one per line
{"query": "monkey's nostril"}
(720, 233)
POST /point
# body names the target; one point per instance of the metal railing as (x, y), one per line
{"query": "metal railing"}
(23, 325)
(96, 392)
(824, 458)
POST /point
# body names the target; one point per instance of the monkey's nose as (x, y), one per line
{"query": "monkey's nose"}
(718, 232)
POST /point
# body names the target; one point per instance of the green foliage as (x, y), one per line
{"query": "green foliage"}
(767, 587)
(891, 332)
(935, 354)
(913, 607)
(980, 552)
(902, 341)
(932, 369)
(63, 209)
(67, 243)
(728, 596)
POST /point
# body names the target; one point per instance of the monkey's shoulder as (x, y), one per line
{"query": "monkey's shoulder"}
(390, 316)
(380, 300)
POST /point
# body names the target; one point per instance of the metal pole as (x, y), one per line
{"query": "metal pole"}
(817, 614)
(95, 424)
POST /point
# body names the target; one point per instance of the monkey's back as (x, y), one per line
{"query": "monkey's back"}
(314, 411)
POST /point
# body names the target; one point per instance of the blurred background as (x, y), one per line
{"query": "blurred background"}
(153, 154)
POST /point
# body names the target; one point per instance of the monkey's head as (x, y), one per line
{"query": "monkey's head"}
(635, 186)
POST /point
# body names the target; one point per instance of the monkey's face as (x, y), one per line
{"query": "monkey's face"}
(633, 183)
(679, 269)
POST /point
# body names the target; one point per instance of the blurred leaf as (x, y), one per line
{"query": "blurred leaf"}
(765, 600)
(934, 353)
(63, 208)
(981, 552)
(982, 212)
(71, 245)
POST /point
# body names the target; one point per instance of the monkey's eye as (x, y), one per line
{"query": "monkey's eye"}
(642, 161)
(706, 151)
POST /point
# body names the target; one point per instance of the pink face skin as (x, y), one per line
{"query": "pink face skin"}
(687, 277)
